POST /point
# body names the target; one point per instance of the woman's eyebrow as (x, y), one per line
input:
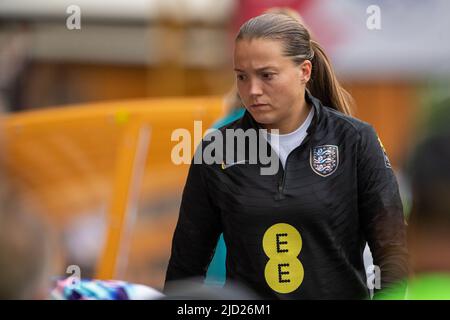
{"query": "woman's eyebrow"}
(259, 69)
(266, 68)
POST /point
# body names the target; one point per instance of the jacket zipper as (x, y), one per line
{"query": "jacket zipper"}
(283, 179)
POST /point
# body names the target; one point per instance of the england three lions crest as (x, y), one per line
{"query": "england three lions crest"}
(324, 159)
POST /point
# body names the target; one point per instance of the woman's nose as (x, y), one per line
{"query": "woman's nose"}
(255, 88)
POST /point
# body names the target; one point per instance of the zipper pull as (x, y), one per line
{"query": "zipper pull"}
(279, 195)
(280, 186)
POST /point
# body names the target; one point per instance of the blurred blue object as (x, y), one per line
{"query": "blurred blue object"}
(86, 289)
(216, 273)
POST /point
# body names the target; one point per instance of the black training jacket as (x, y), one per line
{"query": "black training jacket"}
(298, 234)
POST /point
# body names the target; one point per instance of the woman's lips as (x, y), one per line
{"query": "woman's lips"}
(259, 105)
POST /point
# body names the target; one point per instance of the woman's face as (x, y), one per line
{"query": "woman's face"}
(271, 85)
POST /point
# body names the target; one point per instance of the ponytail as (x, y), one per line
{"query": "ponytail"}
(325, 86)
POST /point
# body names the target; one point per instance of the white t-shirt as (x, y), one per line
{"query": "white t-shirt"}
(290, 141)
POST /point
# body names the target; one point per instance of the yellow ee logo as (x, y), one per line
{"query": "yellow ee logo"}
(282, 244)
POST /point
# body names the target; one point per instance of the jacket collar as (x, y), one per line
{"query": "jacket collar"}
(318, 110)
(248, 122)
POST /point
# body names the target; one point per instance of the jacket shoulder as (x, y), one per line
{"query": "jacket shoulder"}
(350, 123)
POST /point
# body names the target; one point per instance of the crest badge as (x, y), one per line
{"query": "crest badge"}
(324, 160)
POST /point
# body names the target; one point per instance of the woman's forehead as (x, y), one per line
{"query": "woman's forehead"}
(259, 53)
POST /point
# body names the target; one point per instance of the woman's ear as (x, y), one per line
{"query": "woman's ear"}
(305, 71)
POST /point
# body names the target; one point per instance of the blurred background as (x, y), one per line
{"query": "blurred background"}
(91, 91)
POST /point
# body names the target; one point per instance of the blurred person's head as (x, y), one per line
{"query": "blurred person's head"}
(288, 12)
(24, 249)
(275, 61)
(429, 221)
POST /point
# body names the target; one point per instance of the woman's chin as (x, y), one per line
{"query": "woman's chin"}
(261, 118)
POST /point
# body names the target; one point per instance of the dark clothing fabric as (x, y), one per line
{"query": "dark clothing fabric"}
(337, 191)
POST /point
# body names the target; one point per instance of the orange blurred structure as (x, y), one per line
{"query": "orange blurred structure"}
(78, 159)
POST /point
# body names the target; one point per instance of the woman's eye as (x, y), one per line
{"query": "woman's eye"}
(268, 76)
(241, 77)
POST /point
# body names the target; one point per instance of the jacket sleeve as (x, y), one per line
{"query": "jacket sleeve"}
(197, 230)
(381, 210)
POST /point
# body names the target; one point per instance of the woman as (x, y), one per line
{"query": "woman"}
(234, 110)
(299, 233)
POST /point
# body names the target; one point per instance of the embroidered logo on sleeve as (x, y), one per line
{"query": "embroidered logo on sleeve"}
(324, 160)
(386, 159)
